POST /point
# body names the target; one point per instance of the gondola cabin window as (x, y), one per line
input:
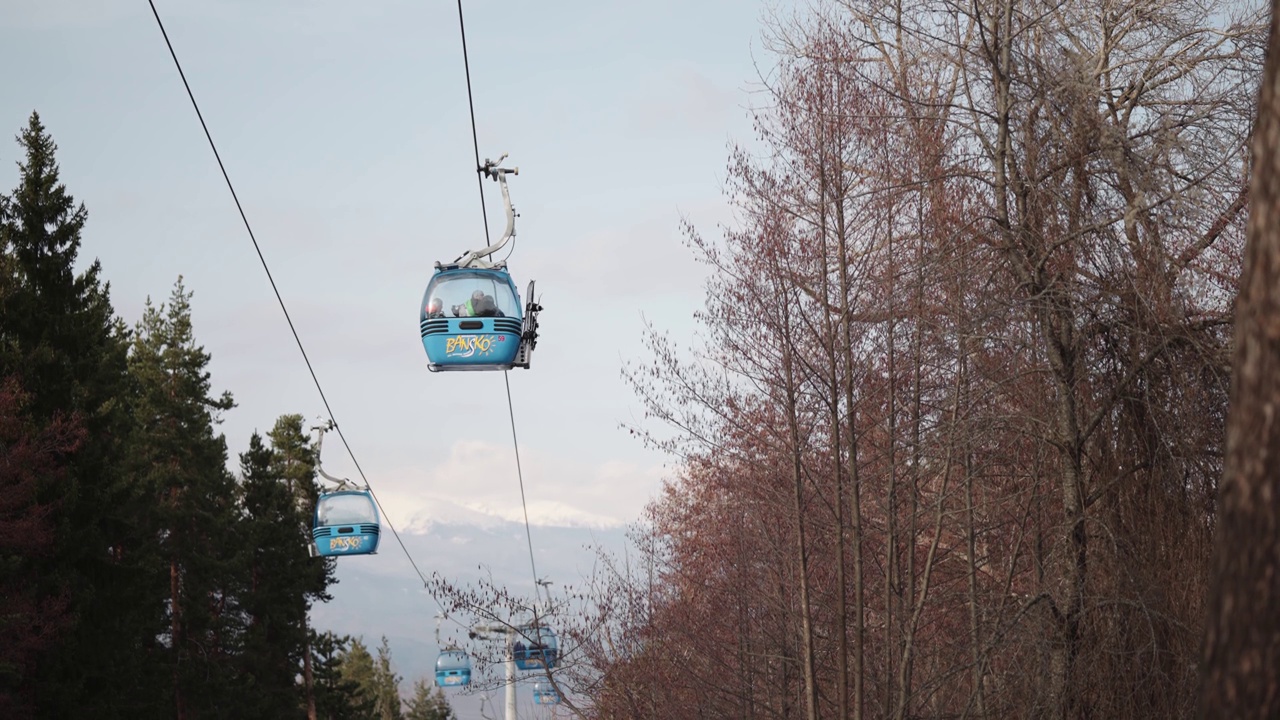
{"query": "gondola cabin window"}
(344, 509)
(464, 293)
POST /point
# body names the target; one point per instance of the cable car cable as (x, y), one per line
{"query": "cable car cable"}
(475, 141)
(293, 329)
(520, 474)
(263, 260)
(471, 105)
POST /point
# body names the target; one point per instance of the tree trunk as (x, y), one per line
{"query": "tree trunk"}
(1068, 605)
(176, 638)
(1240, 676)
(802, 552)
(855, 489)
(829, 342)
(307, 678)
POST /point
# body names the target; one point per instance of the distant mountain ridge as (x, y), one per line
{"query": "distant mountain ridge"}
(542, 513)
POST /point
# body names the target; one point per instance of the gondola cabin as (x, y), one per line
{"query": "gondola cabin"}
(535, 648)
(453, 668)
(471, 319)
(545, 694)
(346, 523)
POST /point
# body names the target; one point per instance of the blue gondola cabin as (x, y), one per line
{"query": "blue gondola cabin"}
(545, 694)
(535, 648)
(453, 668)
(472, 319)
(346, 523)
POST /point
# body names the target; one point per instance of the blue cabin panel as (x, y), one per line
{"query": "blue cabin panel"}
(479, 343)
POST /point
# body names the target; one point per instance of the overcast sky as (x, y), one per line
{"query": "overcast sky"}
(345, 129)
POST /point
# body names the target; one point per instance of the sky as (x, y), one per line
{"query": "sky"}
(345, 129)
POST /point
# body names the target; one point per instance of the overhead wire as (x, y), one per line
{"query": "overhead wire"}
(293, 329)
(471, 104)
(528, 535)
(475, 140)
(244, 218)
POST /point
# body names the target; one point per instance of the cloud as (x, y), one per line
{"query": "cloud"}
(476, 484)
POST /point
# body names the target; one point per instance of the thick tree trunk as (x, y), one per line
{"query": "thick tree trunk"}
(1241, 669)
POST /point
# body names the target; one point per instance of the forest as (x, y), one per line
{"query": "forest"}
(953, 433)
(976, 425)
(140, 577)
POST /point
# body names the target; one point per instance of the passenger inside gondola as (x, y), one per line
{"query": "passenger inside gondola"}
(471, 294)
(486, 307)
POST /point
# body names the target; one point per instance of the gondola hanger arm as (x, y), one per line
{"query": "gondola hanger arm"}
(342, 483)
(475, 258)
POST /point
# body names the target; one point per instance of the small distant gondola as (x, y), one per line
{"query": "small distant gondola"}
(453, 668)
(535, 647)
(345, 521)
(544, 693)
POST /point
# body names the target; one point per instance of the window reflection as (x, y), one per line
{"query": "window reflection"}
(469, 294)
(346, 510)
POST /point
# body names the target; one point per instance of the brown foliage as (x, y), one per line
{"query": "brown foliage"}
(956, 425)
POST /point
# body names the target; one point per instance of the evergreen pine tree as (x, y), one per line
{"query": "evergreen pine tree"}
(278, 492)
(358, 668)
(272, 601)
(337, 697)
(294, 461)
(386, 685)
(60, 338)
(428, 703)
(180, 464)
